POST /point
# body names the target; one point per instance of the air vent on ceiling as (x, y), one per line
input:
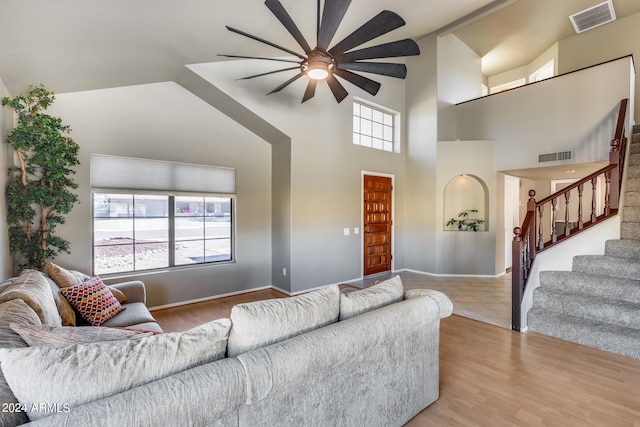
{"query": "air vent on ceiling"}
(595, 16)
(554, 157)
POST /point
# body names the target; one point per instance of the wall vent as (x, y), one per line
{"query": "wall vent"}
(595, 16)
(554, 157)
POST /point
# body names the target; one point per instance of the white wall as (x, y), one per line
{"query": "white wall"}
(526, 70)
(577, 111)
(165, 122)
(6, 155)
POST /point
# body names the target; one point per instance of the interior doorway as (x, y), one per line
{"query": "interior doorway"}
(377, 223)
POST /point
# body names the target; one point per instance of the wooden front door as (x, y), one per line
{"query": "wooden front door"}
(377, 224)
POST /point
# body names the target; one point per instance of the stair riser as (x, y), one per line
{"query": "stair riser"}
(585, 307)
(625, 248)
(607, 266)
(636, 129)
(634, 148)
(634, 159)
(630, 230)
(634, 172)
(633, 184)
(632, 198)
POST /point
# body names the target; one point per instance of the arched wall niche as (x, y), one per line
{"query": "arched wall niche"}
(464, 192)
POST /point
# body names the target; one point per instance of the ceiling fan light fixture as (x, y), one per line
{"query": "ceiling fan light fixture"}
(318, 70)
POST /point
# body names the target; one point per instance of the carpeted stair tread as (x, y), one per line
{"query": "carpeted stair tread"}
(617, 312)
(622, 248)
(633, 184)
(607, 266)
(589, 284)
(601, 335)
(634, 148)
(633, 172)
(630, 230)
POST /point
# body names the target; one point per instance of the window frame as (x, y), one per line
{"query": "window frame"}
(395, 126)
(171, 229)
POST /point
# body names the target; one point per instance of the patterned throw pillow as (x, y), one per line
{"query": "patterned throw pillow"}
(93, 300)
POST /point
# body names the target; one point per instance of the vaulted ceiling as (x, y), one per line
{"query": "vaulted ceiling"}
(74, 45)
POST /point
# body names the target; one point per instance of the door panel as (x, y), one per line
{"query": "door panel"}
(377, 224)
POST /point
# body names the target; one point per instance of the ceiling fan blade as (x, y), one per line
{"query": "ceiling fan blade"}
(287, 83)
(332, 15)
(406, 47)
(270, 72)
(380, 24)
(383, 68)
(256, 38)
(279, 11)
(339, 92)
(310, 91)
(362, 82)
(259, 57)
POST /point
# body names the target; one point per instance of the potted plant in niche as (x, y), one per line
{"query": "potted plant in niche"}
(464, 223)
(38, 190)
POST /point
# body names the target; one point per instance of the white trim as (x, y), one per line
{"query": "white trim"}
(393, 217)
(205, 299)
(489, 276)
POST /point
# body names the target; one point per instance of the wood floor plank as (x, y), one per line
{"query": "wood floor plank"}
(491, 376)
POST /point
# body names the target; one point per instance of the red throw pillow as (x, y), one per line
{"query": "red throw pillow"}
(93, 300)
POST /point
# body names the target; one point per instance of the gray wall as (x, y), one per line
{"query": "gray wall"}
(583, 117)
(164, 121)
(6, 124)
(616, 39)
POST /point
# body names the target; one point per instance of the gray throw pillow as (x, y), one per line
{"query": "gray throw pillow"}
(18, 312)
(50, 379)
(32, 287)
(379, 295)
(258, 324)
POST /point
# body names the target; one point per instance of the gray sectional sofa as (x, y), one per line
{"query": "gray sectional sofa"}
(324, 358)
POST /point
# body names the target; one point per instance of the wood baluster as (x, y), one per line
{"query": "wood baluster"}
(580, 222)
(526, 262)
(540, 228)
(594, 189)
(607, 193)
(554, 216)
(567, 228)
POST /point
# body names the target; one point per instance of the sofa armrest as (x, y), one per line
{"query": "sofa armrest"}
(133, 290)
(444, 303)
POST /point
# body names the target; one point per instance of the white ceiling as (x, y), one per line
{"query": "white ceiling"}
(74, 45)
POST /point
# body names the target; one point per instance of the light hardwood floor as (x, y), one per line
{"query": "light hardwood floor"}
(491, 376)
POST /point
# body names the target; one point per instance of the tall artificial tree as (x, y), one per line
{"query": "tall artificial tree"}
(39, 187)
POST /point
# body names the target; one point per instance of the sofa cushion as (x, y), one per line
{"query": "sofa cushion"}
(376, 296)
(93, 300)
(53, 336)
(32, 287)
(18, 312)
(257, 324)
(135, 314)
(60, 377)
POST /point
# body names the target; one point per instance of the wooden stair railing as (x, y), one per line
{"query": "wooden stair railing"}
(562, 211)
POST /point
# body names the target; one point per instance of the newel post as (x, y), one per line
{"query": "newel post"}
(516, 278)
(614, 159)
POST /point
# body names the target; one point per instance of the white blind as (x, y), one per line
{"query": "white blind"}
(116, 172)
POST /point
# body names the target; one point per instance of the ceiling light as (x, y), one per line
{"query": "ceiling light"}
(318, 70)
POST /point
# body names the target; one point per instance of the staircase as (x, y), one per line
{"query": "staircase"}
(598, 303)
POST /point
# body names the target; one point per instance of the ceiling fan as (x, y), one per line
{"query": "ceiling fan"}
(322, 63)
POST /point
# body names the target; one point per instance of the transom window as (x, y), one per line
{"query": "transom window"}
(133, 232)
(373, 127)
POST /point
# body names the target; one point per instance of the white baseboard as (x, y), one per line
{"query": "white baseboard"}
(426, 273)
(193, 301)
